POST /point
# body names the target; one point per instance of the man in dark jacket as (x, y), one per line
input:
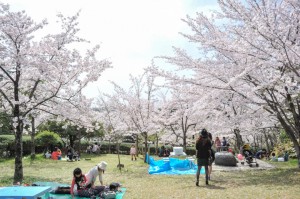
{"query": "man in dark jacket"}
(203, 147)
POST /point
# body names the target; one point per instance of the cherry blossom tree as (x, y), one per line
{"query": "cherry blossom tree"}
(178, 116)
(136, 106)
(39, 71)
(250, 49)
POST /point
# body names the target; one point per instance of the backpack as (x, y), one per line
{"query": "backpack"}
(109, 195)
(114, 186)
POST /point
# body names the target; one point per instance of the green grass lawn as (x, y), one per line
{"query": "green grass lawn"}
(282, 182)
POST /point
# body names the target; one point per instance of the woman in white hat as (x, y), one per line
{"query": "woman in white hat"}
(97, 170)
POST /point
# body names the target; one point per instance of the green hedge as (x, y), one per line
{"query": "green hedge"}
(7, 143)
(125, 148)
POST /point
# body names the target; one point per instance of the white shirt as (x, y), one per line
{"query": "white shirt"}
(95, 148)
(92, 175)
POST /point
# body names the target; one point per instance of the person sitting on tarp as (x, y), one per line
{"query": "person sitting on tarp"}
(260, 154)
(161, 151)
(273, 157)
(166, 152)
(79, 187)
(56, 154)
(48, 155)
(70, 153)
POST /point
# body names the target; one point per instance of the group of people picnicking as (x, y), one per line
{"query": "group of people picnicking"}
(164, 152)
(56, 154)
(83, 184)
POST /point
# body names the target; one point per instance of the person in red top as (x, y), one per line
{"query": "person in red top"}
(56, 154)
(81, 187)
(78, 182)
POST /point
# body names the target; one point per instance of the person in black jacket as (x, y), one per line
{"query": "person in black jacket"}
(203, 147)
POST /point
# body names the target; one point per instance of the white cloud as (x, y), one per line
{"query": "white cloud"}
(131, 32)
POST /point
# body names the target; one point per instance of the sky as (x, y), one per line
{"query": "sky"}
(130, 32)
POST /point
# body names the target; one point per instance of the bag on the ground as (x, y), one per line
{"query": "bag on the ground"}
(109, 195)
(62, 190)
(114, 186)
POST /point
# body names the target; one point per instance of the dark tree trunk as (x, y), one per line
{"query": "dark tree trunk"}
(32, 156)
(137, 144)
(145, 135)
(18, 175)
(266, 139)
(239, 139)
(156, 145)
(270, 137)
(109, 150)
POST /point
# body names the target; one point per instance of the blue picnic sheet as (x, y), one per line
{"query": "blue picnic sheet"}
(54, 185)
(172, 166)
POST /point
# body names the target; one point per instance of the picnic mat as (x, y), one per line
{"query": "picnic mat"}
(54, 185)
(172, 166)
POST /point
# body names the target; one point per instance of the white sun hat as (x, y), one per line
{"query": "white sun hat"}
(102, 165)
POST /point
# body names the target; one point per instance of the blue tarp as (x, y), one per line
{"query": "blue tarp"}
(172, 166)
(54, 185)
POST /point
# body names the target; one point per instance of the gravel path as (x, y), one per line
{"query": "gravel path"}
(240, 167)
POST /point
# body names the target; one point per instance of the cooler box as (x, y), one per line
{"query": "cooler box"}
(178, 150)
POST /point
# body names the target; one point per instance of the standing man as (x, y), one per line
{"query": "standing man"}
(224, 144)
(203, 147)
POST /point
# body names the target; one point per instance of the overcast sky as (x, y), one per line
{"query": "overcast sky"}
(130, 32)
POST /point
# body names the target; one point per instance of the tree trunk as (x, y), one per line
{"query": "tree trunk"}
(267, 142)
(79, 144)
(72, 141)
(271, 141)
(109, 151)
(184, 141)
(32, 156)
(239, 139)
(137, 144)
(145, 135)
(156, 145)
(118, 151)
(18, 175)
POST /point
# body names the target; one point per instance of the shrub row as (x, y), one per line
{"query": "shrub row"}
(7, 144)
(125, 148)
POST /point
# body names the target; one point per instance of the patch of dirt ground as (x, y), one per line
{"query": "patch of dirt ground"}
(245, 166)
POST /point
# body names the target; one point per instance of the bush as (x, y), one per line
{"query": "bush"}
(280, 149)
(47, 139)
(7, 144)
